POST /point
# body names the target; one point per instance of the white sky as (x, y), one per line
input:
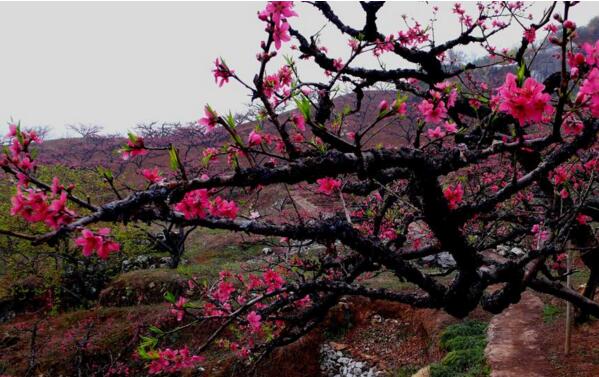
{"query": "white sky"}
(116, 64)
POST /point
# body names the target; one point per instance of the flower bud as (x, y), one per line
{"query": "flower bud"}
(569, 24)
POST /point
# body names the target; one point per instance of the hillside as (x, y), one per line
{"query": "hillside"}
(98, 149)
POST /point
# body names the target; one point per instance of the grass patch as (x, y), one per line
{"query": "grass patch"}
(465, 343)
(213, 261)
(387, 280)
(405, 371)
(581, 276)
(550, 313)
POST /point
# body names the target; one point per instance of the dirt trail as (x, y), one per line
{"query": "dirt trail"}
(305, 204)
(515, 347)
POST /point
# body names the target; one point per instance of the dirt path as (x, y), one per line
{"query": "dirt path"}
(305, 204)
(514, 347)
(310, 208)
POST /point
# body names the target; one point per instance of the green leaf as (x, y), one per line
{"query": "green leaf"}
(132, 136)
(237, 139)
(234, 162)
(321, 147)
(174, 158)
(303, 105)
(156, 330)
(384, 113)
(147, 342)
(106, 173)
(346, 109)
(321, 126)
(170, 297)
(268, 333)
(288, 60)
(19, 135)
(520, 75)
(206, 160)
(230, 121)
(399, 99)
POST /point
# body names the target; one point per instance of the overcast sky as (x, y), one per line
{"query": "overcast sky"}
(117, 64)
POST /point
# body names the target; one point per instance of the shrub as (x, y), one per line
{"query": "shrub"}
(550, 313)
(466, 344)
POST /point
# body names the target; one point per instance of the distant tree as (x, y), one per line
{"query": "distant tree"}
(86, 130)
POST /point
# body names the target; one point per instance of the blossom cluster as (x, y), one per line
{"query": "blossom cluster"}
(222, 293)
(569, 178)
(97, 242)
(210, 119)
(196, 204)
(527, 104)
(170, 361)
(276, 14)
(48, 205)
(412, 37)
(178, 308)
(152, 175)
(235, 293)
(221, 72)
(589, 92)
(135, 147)
(454, 195)
(434, 110)
(35, 205)
(328, 185)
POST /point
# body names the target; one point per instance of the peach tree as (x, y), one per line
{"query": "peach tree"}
(477, 167)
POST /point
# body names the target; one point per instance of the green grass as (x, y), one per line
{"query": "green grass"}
(387, 280)
(550, 313)
(405, 371)
(213, 261)
(465, 343)
(580, 277)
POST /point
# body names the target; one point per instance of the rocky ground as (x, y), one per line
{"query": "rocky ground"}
(335, 363)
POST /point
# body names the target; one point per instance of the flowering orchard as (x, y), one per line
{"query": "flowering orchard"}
(480, 168)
